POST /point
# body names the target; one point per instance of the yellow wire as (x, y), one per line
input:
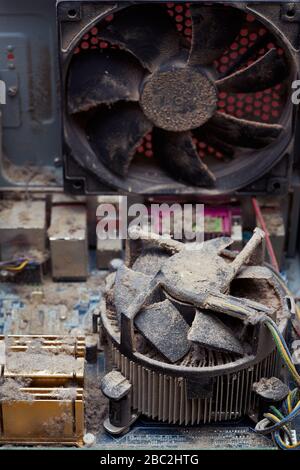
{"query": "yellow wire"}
(274, 418)
(290, 446)
(291, 366)
(297, 311)
(16, 268)
(271, 417)
(289, 363)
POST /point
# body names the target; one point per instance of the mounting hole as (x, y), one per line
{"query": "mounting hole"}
(289, 303)
(77, 185)
(276, 185)
(291, 11)
(72, 13)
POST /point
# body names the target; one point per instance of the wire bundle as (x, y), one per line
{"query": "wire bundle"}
(280, 421)
(277, 422)
(16, 265)
(282, 348)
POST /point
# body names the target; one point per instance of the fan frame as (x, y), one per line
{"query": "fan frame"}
(272, 171)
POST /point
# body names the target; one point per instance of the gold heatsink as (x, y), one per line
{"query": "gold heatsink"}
(41, 390)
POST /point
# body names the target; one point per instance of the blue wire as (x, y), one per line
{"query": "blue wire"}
(281, 337)
(281, 444)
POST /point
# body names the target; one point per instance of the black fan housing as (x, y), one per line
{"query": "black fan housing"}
(175, 98)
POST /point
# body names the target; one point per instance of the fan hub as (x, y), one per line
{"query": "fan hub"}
(179, 99)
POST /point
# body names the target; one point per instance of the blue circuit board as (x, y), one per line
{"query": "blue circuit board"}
(14, 304)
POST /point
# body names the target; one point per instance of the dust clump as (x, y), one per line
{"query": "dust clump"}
(17, 362)
(55, 426)
(65, 394)
(36, 358)
(11, 390)
(96, 404)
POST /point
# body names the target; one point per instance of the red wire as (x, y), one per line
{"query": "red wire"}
(262, 223)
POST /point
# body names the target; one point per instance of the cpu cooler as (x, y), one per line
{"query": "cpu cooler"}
(177, 98)
(176, 349)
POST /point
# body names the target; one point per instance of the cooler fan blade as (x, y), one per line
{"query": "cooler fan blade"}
(209, 331)
(243, 133)
(179, 155)
(124, 296)
(264, 73)
(214, 29)
(98, 77)
(147, 32)
(115, 135)
(164, 317)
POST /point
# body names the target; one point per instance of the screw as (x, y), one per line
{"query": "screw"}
(291, 10)
(12, 90)
(89, 439)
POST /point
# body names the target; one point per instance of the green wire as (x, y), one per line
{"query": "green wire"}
(276, 412)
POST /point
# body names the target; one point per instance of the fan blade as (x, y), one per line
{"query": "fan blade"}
(204, 134)
(128, 285)
(165, 328)
(214, 29)
(210, 332)
(264, 73)
(243, 133)
(180, 157)
(147, 32)
(98, 77)
(115, 135)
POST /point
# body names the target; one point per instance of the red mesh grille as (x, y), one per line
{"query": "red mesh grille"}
(182, 17)
(145, 147)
